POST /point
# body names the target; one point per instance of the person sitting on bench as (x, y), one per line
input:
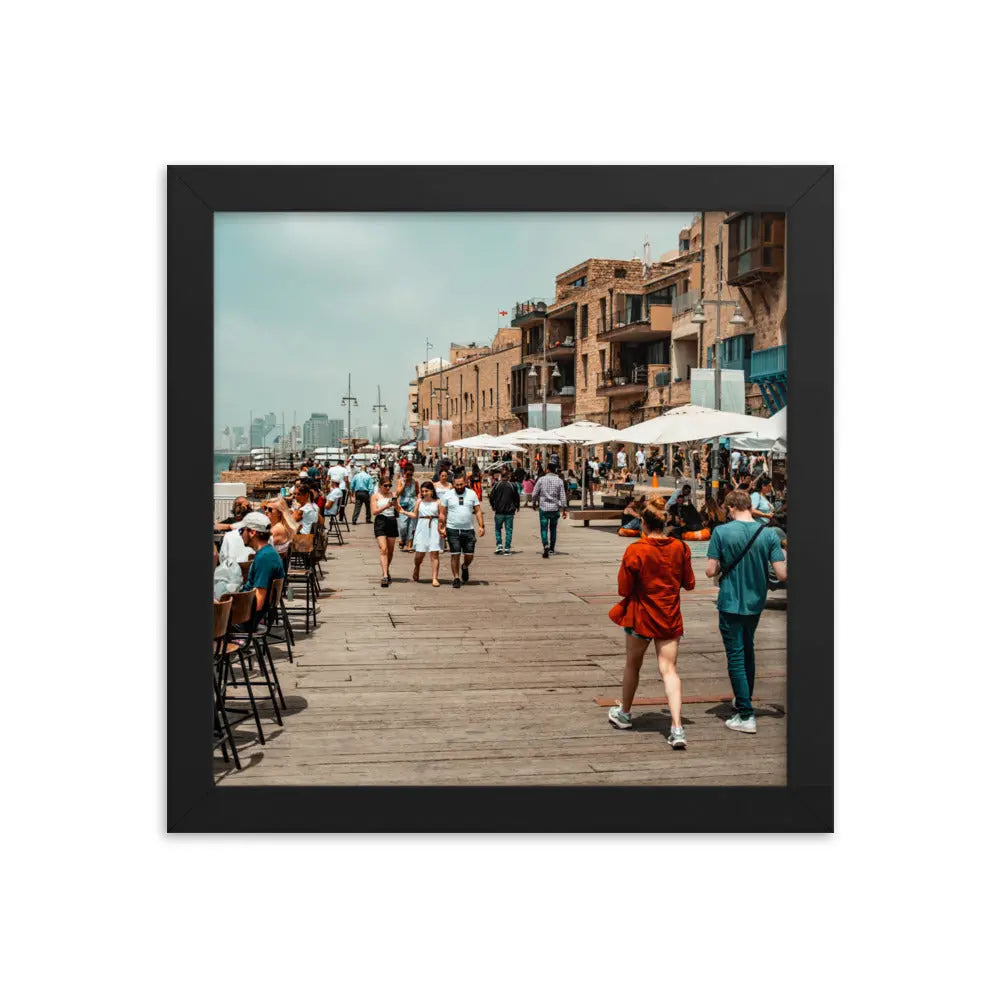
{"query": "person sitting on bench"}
(632, 514)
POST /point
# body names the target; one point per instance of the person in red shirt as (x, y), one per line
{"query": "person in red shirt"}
(652, 573)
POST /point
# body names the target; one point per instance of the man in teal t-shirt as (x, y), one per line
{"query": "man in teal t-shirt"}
(742, 551)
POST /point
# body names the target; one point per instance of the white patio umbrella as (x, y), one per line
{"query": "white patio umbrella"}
(690, 423)
(586, 432)
(773, 438)
(483, 442)
(531, 435)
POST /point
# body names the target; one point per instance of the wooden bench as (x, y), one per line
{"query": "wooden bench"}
(594, 515)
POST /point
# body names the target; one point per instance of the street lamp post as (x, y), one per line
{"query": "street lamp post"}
(347, 401)
(379, 408)
(737, 320)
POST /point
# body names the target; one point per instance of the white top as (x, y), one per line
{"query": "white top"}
(232, 548)
(310, 515)
(441, 489)
(640, 457)
(461, 509)
(382, 504)
(337, 473)
(622, 457)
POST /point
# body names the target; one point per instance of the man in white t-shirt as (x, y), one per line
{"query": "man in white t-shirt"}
(459, 508)
(621, 458)
(640, 461)
(337, 474)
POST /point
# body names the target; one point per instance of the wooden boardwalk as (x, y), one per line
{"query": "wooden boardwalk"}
(496, 683)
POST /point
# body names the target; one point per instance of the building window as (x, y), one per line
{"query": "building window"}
(604, 366)
(491, 397)
(579, 283)
(586, 358)
(584, 321)
(685, 245)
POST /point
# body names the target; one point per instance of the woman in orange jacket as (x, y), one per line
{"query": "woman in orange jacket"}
(652, 573)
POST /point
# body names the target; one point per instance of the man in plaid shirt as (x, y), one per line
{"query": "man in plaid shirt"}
(549, 498)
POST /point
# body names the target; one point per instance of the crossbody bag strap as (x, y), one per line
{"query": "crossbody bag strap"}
(749, 546)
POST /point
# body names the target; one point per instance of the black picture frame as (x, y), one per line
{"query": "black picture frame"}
(805, 193)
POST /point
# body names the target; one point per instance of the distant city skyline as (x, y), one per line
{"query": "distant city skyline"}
(303, 299)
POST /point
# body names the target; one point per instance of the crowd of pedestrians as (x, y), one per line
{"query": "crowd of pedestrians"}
(744, 525)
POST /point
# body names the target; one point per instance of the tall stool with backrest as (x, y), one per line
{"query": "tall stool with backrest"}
(241, 642)
(223, 733)
(301, 571)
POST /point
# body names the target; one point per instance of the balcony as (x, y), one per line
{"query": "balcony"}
(769, 372)
(615, 382)
(756, 247)
(532, 394)
(769, 363)
(685, 302)
(555, 350)
(530, 312)
(633, 327)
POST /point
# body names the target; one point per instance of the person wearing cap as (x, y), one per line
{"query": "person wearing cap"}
(233, 548)
(255, 531)
(548, 497)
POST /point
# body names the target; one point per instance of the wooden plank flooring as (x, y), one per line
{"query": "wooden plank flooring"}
(496, 683)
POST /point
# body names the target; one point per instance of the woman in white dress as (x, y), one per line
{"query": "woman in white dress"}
(426, 537)
(443, 484)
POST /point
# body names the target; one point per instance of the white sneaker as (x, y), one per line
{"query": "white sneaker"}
(739, 725)
(618, 718)
(676, 738)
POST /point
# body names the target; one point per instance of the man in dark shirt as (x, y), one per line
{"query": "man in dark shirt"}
(241, 507)
(506, 502)
(255, 530)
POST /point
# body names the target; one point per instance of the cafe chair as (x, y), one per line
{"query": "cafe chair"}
(222, 734)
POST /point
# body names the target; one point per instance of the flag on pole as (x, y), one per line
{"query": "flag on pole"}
(503, 312)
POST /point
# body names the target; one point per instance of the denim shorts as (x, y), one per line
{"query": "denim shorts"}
(631, 631)
(461, 540)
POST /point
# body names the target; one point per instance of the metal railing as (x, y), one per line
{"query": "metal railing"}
(637, 375)
(771, 361)
(529, 306)
(685, 301)
(625, 317)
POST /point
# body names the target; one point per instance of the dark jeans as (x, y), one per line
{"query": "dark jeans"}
(501, 522)
(548, 520)
(737, 636)
(362, 498)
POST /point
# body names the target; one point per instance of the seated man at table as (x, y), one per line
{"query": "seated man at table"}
(255, 530)
(241, 507)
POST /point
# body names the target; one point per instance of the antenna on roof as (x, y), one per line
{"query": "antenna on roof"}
(646, 258)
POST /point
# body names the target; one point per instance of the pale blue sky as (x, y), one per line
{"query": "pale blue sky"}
(302, 299)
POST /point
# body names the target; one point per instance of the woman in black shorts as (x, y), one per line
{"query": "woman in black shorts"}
(385, 507)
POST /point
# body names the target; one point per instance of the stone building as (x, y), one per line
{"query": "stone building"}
(618, 340)
(474, 393)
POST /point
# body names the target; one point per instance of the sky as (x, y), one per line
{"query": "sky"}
(303, 299)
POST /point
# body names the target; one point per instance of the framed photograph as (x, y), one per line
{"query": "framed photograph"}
(502, 467)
